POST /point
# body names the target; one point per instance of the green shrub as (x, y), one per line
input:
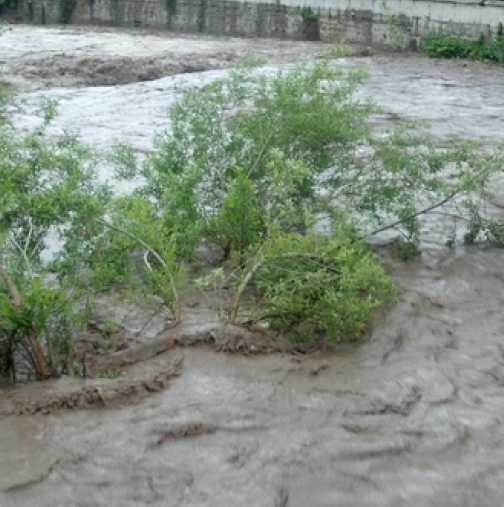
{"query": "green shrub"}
(238, 223)
(253, 163)
(447, 46)
(46, 186)
(321, 286)
(308, 14)
(39, 325)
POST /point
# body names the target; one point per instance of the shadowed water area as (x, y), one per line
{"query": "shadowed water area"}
(412, 416)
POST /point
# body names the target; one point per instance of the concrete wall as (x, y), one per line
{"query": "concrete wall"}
(360, 21)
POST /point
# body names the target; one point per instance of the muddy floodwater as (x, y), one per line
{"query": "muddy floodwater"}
(413, 416)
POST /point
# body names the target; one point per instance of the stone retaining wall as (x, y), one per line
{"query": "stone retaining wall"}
(370, 22)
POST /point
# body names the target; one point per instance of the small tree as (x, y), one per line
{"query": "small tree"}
(256, 163)
(46, 188)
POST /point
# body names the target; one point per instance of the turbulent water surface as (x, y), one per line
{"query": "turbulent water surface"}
(413, 416)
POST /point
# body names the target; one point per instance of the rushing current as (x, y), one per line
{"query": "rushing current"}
(412, 416)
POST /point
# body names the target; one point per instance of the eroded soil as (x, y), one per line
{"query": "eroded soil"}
(412, 416)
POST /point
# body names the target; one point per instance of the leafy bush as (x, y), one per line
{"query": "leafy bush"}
(321, 286)
(254, 161)
(256, 165)
(308, 14)
(447, 46)
(36, 323)
(46, 187)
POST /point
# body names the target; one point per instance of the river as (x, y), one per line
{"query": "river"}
(412, 416)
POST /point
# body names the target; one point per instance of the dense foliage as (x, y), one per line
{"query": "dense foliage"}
(449, 46)
(47, 188)
(254, 160)
(325, 286)
(279, 173)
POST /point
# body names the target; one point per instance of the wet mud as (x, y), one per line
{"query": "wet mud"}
(412, 416)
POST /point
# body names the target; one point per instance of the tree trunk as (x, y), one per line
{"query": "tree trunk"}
(42, 370)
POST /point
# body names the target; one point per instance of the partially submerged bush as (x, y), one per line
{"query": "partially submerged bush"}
(36, 324)
(46, 187)
(253, 164)
(322, 286)
(254, 160)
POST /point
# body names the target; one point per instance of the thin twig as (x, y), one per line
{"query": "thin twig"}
(414, 215)
(261, 153)
(146, 260)
(451, 215)
(24, 255)
(135, 238)
(153, 252)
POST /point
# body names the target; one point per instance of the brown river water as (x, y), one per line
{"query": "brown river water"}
(412, 416)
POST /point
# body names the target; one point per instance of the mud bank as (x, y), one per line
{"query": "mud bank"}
(413, 416)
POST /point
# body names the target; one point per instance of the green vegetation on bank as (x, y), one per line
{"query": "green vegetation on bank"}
(279, 174)
(450, 46)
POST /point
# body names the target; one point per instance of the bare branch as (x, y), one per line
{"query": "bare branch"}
(393, 225)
